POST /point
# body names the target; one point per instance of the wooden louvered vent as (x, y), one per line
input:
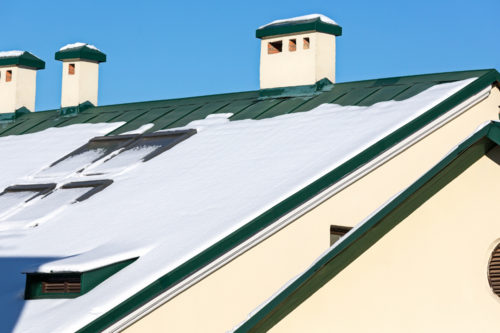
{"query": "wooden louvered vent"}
(494, 271)
(61, 285)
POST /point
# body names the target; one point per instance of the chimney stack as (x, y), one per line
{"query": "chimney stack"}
(18, 80)
(297, 51)
(80, 73)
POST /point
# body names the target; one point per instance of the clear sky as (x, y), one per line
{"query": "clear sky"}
(169, 49)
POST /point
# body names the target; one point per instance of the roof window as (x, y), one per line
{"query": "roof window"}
(306, 43)
(92, 151)
(275, 47)
(292, 45)
(146, 147)
(69, 284)
(96, 185)
(337, 232)
(8, 76)
(14, 196)
(71, 69)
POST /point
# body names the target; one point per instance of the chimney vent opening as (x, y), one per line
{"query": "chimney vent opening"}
(292, 45)
(71, 69)
(275, 47)
(306, 43)
(8, 76)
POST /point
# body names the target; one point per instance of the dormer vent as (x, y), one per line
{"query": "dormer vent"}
(80, 73)
(18, 80)
(297, 65)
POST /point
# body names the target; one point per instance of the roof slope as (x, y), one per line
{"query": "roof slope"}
(196, 186)
(373, 228)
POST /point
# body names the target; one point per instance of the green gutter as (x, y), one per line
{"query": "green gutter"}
(251, 228)
(373, 229)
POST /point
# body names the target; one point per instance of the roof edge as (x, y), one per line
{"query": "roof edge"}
(299, 26)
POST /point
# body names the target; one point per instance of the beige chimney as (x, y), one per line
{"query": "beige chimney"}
(18, 80)
(297, 51)
(80, 77)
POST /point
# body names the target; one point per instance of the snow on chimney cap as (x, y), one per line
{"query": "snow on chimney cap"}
(81, 51)
(21, 58)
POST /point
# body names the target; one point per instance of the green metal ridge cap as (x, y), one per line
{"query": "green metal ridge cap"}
(81, 52)
(265, 318)
(25, 59)
(315, 24)
(184, 270)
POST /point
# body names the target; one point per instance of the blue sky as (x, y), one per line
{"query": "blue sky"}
(166, 49)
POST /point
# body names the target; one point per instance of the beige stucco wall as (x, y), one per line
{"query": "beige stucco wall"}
(224, 298)
(429, 274)
(82, 86)
(20, 92)
(301, 67)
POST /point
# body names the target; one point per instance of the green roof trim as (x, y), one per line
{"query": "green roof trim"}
(26, 59)
(411, 85)
(355, 244)
(297, 91)
(298, 26)
(82, 52)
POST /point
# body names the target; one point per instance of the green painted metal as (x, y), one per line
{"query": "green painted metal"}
(307, 90)
(173, 116)
(78, 119)
(29, 121)
(82, 52)
(103, 117)
(26, 59)
(284, 107)
(327, 97)
(485, 79)
(298, 26)
(257, 109)
(146, 118)
(414, 90)
(89, 280)
(385, 93)
(237, 106)
(327, 267)
(356, 96)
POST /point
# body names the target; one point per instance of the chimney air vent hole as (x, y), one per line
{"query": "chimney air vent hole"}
(8, 76)
(275, 47)
(306, 43)
(71, 69)
(292, 45)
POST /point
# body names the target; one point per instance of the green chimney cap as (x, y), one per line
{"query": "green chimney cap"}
(21, 58)
(80, 51)
(314, 22)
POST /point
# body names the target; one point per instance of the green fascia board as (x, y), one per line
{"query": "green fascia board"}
(82, 52)
(183, 271)
(297, 91)
(299, 26)
(26, 59)
(373, 229)
(89, 280)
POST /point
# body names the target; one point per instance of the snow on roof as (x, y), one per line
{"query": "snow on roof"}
(76, 45)
(11, 54)
(303, 18)
(270, 159)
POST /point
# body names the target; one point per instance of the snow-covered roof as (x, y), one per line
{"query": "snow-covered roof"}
(11, 54)
(169, 209)
(323, 18)
(77, 45)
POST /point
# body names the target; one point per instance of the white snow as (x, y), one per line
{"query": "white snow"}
(10, 200)
(11, 54)
(303, 18)
(140, 130)
(75, 45)
(71, 164)
(169, 209)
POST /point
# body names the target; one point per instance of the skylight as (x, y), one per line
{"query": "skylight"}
(14, 196)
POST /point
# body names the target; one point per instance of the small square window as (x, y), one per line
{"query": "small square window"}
(71, 69)
(307, 44)
(275, 47)
(337, 232)
(292, 45)
(8, 76)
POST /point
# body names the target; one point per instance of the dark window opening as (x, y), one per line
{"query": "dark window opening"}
(8, 76)
(14, 196)
(61, 285)
(97, 186)
(306, 43)
(275, 47)
(337, 232)
(494, 271)
(292, 45)
(71, 69)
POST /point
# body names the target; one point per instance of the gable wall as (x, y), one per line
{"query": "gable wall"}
(224, 298)
(429, 274)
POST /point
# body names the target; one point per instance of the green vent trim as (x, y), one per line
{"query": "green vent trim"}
(26, 59)
(299, 26)
(83, 53)
(297, 91)
(64, 284)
